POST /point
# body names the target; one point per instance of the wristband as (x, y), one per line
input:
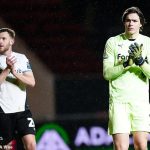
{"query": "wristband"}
(139, 61)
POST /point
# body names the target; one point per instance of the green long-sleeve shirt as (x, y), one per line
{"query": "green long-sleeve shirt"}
(126, 84)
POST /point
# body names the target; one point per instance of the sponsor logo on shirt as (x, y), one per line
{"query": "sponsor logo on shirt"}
(122, 57)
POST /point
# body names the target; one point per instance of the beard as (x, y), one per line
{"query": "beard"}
(4, 49)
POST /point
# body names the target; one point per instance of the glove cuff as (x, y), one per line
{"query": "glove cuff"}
(139, 61)
(125, 64)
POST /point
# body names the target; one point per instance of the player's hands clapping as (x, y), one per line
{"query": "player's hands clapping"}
(10, 61)
(135, 52)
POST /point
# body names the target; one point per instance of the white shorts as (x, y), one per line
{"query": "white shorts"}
(127, 118)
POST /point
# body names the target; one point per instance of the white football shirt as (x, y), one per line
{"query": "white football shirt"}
(13, 92)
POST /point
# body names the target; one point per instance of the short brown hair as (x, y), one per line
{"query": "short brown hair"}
(10, 31)
(134, 10)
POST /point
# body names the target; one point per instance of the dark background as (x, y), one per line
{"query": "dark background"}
(69, 37)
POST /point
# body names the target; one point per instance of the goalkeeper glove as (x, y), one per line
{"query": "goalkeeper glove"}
(135, 52)
(127, 63)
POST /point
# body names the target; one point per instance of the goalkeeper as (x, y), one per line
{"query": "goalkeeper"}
(126, 66)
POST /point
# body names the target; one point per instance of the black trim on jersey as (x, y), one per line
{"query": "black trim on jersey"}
(1, 110)
(26, 105)
(131, 39)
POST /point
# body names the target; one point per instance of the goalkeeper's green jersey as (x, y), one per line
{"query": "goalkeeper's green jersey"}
(130, 84)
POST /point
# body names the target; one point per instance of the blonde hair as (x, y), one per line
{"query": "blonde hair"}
(10, 32)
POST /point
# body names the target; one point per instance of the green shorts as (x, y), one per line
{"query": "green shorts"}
(127, 118)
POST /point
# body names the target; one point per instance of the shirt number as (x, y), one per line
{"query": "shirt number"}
(31, 122)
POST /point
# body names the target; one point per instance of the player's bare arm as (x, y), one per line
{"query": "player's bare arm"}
(4, 74)
(27, 77)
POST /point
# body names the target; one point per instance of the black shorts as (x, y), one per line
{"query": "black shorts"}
(20, 123)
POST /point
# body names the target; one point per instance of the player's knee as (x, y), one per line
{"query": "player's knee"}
(121, 146)
(30, 146)
(140, 143)
(140, 146)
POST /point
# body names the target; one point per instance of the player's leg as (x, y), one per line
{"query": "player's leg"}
(140, 140)
(26, 129)
(29, 142)
(140, 125)
(119, 125)
(121, 141)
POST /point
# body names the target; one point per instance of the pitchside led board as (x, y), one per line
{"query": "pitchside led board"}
(74, 135)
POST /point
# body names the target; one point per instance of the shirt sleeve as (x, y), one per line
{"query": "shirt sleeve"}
(146, 66)
(110, 70)
(26, 64)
